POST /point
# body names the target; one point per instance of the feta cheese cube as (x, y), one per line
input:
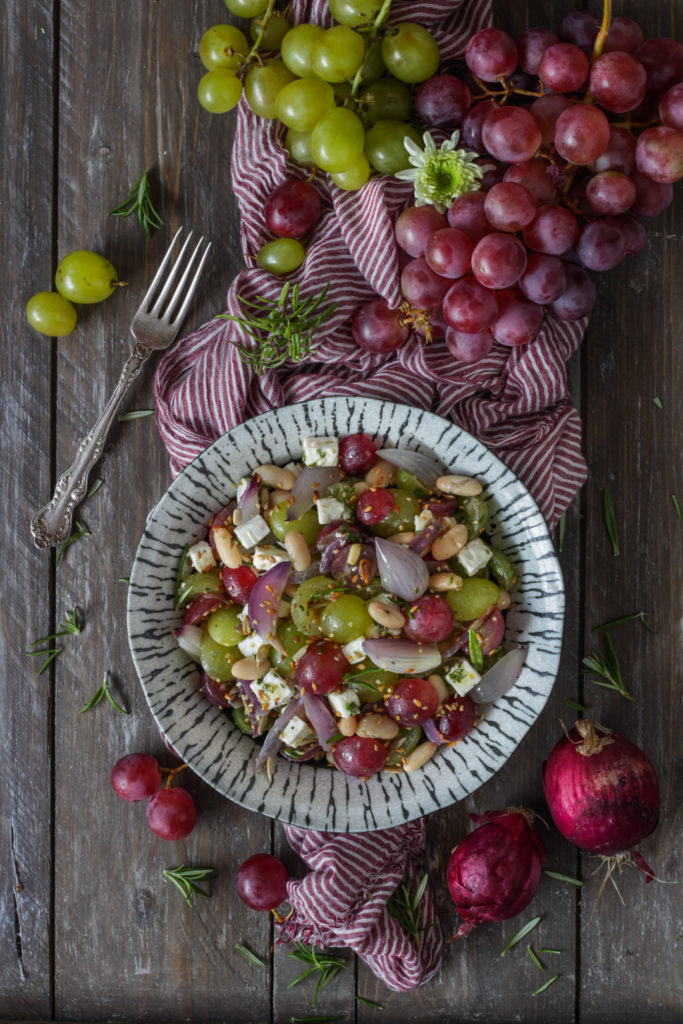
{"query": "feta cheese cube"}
(353, 651)
(474, 556)
(321, 451)
(251, 532)
(267, 556)
(201, 556)
(294, 467)
(329, 509)
(461, 677)
(272, 690)
(423, 519)
(251, 646)
(296, 732)
(345, 702)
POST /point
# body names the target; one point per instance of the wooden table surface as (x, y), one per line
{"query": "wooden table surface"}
(94, 93)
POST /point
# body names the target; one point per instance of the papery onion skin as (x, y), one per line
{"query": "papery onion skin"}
(402, 656)
(606, 799)
(494, 872)
(311, 481)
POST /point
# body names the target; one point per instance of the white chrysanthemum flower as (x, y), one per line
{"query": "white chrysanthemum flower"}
(441, 175)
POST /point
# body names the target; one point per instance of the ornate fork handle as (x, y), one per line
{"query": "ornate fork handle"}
(53, 524)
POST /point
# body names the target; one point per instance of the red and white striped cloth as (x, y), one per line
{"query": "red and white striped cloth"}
(515, 400)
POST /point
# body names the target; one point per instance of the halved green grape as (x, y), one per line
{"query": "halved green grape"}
(292, 639)
(298, 145)
(337, 140)
(346, 619)
(405, 742)
(476, 515)
(409, 482)
(402, 516)
(215, 44)
(310, 600)
(354, 12)
(373, 63)
(386, 99)
(384, 146)
(275, 31)
(215, 659)
(200, 583)
(296, 47)
(355, 177)
(219, 91)
(246, 8)
(307, 524)
(372, 683)
(51, 314)
(241, 720)
(225, 627)
(85, 277)
(281, 256)
(475, 597)
(337, 54)
(302, 103)
(502, 569)
(263, 85)
(410, 53)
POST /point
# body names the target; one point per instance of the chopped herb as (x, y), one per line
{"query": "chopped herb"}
(100, 694)
(369, 1002)
(335, 737)
(548, 983)
(185, 881)
(364, 679)
(72, 626)
(248, 955)
(80, 532)
(676, 506)
(404, 905)
(610, 521)
(326, 967)
(658, 403)
(564, 878)
(139, 200)
(124, 579)
(607, 667)
(136, 414)
(95, 488)
(476, 656)
(561, 531)
(528, 927)
(535, 959)
(544, 949)
(575, 706)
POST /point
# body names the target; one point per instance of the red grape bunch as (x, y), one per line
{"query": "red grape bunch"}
(171, 813)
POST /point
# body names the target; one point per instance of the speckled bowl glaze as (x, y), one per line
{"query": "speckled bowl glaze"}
(302, 794)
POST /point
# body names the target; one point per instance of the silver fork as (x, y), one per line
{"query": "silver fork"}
(155, 326)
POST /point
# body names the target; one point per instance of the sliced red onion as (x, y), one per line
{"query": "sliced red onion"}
(424, 467)
(340, 531)
(250, 701)
(491, 631)
(272, 743)
(458, 642)
(311, 480)
(189, 638)
(402, 571)
(217, 693)
(424, 538)
(442, 506)
(305, 574)
(202, 606)
(402, 656)
(249, 502)
(500, 678)
(264, 600)
(320, 717)
(431, 731)
(305, 753)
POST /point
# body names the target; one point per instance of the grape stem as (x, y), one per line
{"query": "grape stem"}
(253, 53)
(381, 17)
(503, 94)
(171, 772)
(599, 44)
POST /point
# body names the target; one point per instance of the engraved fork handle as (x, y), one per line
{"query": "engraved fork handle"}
(53, 524)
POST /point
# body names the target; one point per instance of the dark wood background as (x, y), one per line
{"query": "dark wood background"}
(92, 94)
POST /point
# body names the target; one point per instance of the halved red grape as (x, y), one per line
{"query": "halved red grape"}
(413, 701)
(171, 813)
(135, 777)
(292, 209)
(430, 620)
(378, 328)
(238, 583)
(456, 718)
(374, 505)
(442, 102)
(357, 454)
(261, 882)
(360, 756)
(215, 691)
(469, 307)
(322, 668)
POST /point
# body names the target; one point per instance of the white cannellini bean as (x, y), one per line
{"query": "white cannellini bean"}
(249, 668)
(227, 547)
(464, 486)
(278, 496)
(360, 488)
(402, 538)
(297, 549)
(449, 543)
(384, 615)
(377, 727)
(439, 684)
(276, 476)
(442, 581)
(381, 475)
(416, 758)
(348, 726)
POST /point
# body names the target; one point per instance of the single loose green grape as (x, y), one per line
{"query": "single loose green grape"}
(410, 53)
(355, 177)
(346, 619)
(337, 140)
(310, 600)
(281, 256)
(354, 12)
(219, 91)
(262, 87)
(386, 99)
(51, 314)
(200, 583)
(307, 524)
(296, 47)
(302, 103)
(298, 145)
(275, 31)
(384, 146)
(215, 659)
(402, 516)
(246, 8)
(225, 627)
(337, 54)
(472, 601)
(85, 277)
(215, 44)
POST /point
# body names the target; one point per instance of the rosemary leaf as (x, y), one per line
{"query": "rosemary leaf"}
(561, 531)
(544, 949)
(185, 881)
(95, 488)
(248, 955)
(136, 414)
(80, 532)
(404, 905)
(626, 618)
(476, 655)
(100, 694)
(564, 878)
(610, 521)
(658, 403)
(607, 668)
(369, 1002)
(326, 967)
(535, 959)
(548, 983)
(676, 506)
(124, 579)
(179, 596)
(518, 936)
(575, 706)
(139, 201)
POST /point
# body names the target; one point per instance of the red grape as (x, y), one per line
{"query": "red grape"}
(415, 227)
(671, 107)
(171, 813)
(620, 154)
(469, 307)
(238, 583)
(491, 54)
(531, 46)
(554, 230)
(610, 192)
(442, 101)
(519, 320)
(292, 209)
(624, 35)
(580, 27)
(652, 197)
(579, 296)
(493, 172)
(357, 454)
(215, 691)
(261, 882)
(469, 348)
(511, 134)
(377, 328)
(662, 59)
(473, 124)
(617, 82)
(509, 206)
(564, 67)
(430, 620)
(633, 231)
(498, 261)
(413, 701)
(322, 668)
(456, 718)
(532, 174)
(135, 777)
(546, 111)
(544, 279)
(468, 214)
(601, 245)
(449, 252)
(360, 756)
(659, 154)
(421, 286)
(581, 134)
(374, 505)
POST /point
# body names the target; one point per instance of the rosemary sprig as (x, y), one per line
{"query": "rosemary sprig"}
(51, 652)
(283, 328)
(326, 967)
(368, 1002)
(135, 414)
(561, 531)
(71, 627)
(607, 667)
(676, 506)
(80, 532)
(544, 949)
(518, 936)
(626, 618)
(248, 955)
(547, 984)
(100, 694)
(575, 706)
(404, 905)
(476, 656)
(610, 521)
(179, 595)
(139, 200)
(564, 878)
(185, 881)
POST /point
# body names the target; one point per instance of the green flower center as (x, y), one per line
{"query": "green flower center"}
(445, 176)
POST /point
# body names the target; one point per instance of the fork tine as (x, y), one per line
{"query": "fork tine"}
(193, 284)
(159, 276)
(156, 308)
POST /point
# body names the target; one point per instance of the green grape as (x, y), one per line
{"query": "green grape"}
(215, 659)
(86, 277)
(281, 256)
(307, 524)
(373, 681)
(354, 12)
(384, 146)
(310, 600)
(275, 31)
(475, 597)
(298, 145)
(241, 720)
(296, 47)
(219, 91)
(405, 742)
(262, 87)
(224, 626)
(302, 103)
(386, 100)
(346, 619)
(355, 177)
(200, 583)
(292, 639)
(337, 140)
(217, 41)
(337, 54)
(342, 90)
(51, 314)
(409, 482)
(373, 65)
(402, 516)
(246, 8)
(410, 52)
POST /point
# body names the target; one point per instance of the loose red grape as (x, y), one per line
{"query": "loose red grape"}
(617, 82)
(469, 307)
(659, 154)
(546, 110)
(442, 102)
(421, 286)
(509, 206)
(171, 813)
(511, 134)
(413, 701)
(322, 668)
(415, 227)
(292, 209)
(519, 320)
(652, 197)
(581, 28)
(491, 54)
(357, 454)
(261, 882)
(620, 154)
(430, 621)
(671, 107)
(633, 231)
(531, 45)
(498, 261)
(662, 59)
(449, 252)
(564, 67)
(374, 505)
(532, 175)
(581, 134)
(601, 245)
(624, 35)
(473, 124)
(544, 279)
(238, 583)
(456, 718)
(579, 296)
(468, 214)
(135, 777)
(378, 328)
(360, 756)
(610, 192)
(469, 348)
(554, 230)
